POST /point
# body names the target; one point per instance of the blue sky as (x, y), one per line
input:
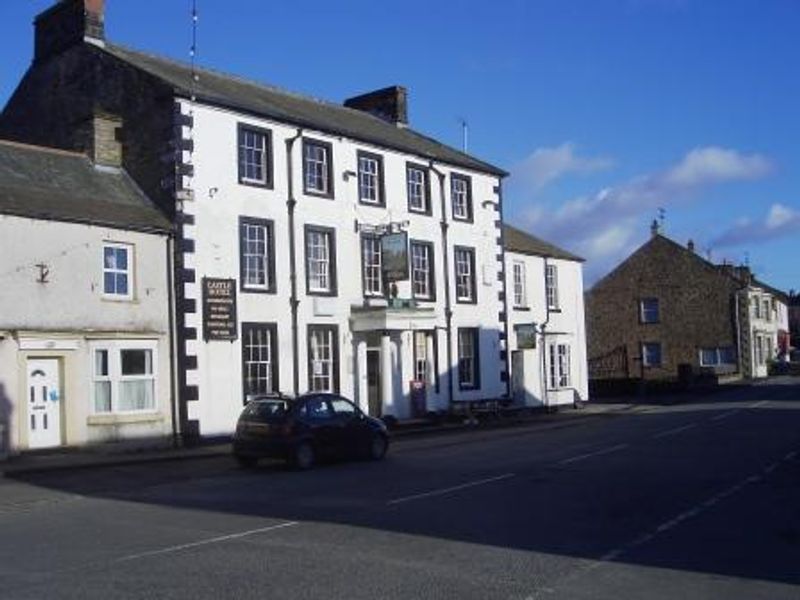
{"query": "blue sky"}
(603, 111)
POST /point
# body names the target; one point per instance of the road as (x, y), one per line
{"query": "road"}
(697, 500)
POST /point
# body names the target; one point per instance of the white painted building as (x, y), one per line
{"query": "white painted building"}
(84, 320)
(547, 330)
(765, 327)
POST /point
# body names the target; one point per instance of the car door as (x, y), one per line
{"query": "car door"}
(353, 432)
(323, 424)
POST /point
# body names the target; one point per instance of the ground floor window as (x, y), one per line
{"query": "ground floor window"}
(259, 358)
(714, 357)
(468, 358)
(560, 374)
(651, 354)
(323, 358)
(124, 377)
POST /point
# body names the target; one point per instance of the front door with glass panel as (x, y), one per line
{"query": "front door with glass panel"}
(44, 403)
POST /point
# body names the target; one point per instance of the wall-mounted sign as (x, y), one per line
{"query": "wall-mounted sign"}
(219, 309)
(526, 336)
(394, 255)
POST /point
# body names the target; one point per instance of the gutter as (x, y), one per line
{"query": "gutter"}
(294, 303)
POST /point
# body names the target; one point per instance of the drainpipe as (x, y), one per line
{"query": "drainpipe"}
(738, 332)
(543, 328)
(173, 344)
(448, 310)
(291, 202)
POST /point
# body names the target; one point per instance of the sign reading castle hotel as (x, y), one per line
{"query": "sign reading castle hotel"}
(219, 309)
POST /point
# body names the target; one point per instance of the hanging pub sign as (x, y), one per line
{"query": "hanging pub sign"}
(219, 309)
(394, 256)
(526, 336)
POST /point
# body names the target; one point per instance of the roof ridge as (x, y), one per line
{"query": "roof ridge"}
(48, 149)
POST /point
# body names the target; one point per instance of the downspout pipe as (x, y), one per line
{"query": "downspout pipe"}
(173, 347)
(543, 328)
(294, 303)
(448, 308)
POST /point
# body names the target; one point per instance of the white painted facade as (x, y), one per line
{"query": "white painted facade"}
(767, 316)
(380, 337)
(554, 372)
(55, 319)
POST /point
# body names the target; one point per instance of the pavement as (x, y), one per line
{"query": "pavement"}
(110, 455)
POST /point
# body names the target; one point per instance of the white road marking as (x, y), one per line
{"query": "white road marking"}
(675, 430)
(573, 459)
(214, 540)
(725, 415)
(759, 403)
(455, 488)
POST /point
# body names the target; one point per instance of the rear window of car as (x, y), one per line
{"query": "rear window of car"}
(266, 410)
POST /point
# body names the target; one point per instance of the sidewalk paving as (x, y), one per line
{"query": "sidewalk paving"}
(109, 456)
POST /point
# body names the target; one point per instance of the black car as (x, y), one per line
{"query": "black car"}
(307, 428)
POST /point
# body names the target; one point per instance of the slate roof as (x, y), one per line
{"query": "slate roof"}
(45, 183)
(522, 242)
(255, 98)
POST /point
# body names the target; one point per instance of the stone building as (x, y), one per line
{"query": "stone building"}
(666, 313)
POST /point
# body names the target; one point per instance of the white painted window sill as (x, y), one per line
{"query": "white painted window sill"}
(123, 419)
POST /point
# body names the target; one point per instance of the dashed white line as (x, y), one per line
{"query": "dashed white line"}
(573, 459)
(675, 430)
(214, 540)
(448, 490)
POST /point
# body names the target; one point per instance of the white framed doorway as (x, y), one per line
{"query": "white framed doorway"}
(44, 403)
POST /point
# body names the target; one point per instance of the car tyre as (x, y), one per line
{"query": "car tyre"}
(303, 456)
(246, 462)
(378, 446)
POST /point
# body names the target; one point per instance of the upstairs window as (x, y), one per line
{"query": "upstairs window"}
(317, 168)
(320, 261)
(465, 274)
(370, 178)
(256, 255)
(767, 309)
(371, 264)
(255, 156)
(419, 200)
(422, 287)
(648, 310)
(551, 286)
(117, 271)
(518, 275)
(461, 197)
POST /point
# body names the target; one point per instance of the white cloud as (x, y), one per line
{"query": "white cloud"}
(780, 221)
(545, 165)
(606, 226)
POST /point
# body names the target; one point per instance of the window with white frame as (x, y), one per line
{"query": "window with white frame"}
(417, 185)
(371, 264)
(370, 178)
(259, 358)
(322, 358)
(649, 310)
(560, 374)
(422, 270)
(118, 271)
(256, 254)
(124, 376)
(461, 197)
(651, 354)
(468, 358)
(767, 309)
(518, 275)
(715, 357)
(320, 261)
(255, 156)
(756, 304)
(551, 286)
(421, 356)
(465, 274)
(317, 167)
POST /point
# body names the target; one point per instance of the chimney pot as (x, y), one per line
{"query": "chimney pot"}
(654, 228)
(690, 245)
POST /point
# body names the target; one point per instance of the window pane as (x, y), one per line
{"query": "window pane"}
(101, 363)
(102, 396)
(136, 395)
(136, 362)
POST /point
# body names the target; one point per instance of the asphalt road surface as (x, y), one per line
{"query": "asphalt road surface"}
(697, 500)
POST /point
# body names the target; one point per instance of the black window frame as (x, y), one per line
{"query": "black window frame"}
(476, 336)
(364, 237)
(268, 149)
(272, 327)
(331, 233)
(470, 218)
(335, 367)
(329, 149)
(381, 189)
(427, 191)
(431, 270)
(473, 287)
(272, 286)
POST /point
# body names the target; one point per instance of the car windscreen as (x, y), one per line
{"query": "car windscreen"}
(266, 411)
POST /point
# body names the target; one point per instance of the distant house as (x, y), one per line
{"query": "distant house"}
(667, 313)
(794, 318)
(547, 331)
(84, 300)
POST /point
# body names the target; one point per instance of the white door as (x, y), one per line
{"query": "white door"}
(44, 403)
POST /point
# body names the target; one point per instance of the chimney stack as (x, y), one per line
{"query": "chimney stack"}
(655, 229)
(67, 23)
(690, 245)
(389, 104)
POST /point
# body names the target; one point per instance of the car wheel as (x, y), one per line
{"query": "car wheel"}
(303, 457)
(378, 446)
(246, 462)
